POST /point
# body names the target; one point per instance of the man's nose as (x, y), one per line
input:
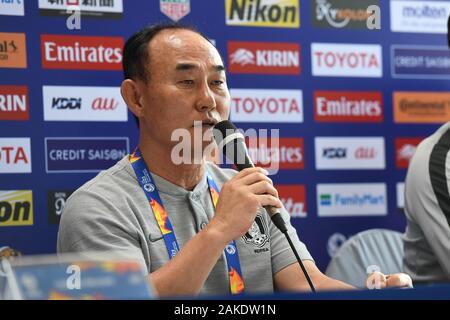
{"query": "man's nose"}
(205, 100)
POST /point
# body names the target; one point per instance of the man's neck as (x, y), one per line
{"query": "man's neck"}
(159, 162)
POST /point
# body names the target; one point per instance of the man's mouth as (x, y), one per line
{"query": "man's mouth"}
(209, 123)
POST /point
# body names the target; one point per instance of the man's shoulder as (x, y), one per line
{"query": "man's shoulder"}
(110, 181)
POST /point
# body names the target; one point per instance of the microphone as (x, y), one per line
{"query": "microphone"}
(232, 143)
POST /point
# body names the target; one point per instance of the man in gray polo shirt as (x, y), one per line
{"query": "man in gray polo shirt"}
(174, 77)
(427, 209)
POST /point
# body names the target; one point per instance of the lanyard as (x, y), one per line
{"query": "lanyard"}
(146, 182)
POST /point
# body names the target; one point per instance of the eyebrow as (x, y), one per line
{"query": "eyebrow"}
(190, 66)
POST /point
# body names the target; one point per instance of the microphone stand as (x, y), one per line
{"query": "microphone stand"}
(278, 221)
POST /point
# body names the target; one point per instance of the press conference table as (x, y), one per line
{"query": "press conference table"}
(420, 292)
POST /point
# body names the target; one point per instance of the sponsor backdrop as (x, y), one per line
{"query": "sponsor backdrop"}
(352, 85)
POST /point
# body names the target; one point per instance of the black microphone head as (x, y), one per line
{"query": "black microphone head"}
(231, 142)
(224, 128)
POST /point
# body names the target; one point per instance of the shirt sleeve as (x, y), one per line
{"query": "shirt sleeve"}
(282, 255)
(91, 224)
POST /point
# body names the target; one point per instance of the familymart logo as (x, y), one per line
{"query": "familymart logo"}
(351, 199)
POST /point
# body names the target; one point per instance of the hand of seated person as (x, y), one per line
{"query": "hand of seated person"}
(378, 280)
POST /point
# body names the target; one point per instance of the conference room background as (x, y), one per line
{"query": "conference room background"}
(352, 93)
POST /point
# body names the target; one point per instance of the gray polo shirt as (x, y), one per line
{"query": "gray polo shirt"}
(111, 213)
(427, 209)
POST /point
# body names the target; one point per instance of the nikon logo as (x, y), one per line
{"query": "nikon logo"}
(263, 13)
(16, 208)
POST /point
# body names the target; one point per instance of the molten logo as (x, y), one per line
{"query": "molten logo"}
(81, 52)
(266, 105)
(263, 13)
(294, 199)
(404, 150)
(16, 208)
(14, 103)
(264, 57)
(348, 106)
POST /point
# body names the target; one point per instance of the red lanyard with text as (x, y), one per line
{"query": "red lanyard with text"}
(149, 187)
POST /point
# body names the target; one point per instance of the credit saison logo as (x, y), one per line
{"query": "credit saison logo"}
(93, 9)
(350, 153)
(16, 208)
(419, 16)
(13, 52)
(266, 105)
(14, 103)
(340, 14)
(348, 106)
(83, 104)
(264, 57)
(346, 60)
(263, 13)
(421, 107)
(404, 150)
(84, 154)
(294, 199)
(420, 62)
(15, 155)
(81, 52)
(351, 199)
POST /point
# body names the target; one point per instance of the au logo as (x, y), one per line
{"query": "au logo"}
(16, 208)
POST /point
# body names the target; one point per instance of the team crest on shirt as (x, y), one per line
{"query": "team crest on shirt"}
(258, 234)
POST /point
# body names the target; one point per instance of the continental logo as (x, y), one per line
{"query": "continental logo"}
(16, 208)
(13, 52)
(263, 13)
(421, 107)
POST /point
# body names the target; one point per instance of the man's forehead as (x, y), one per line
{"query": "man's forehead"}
(182, 43)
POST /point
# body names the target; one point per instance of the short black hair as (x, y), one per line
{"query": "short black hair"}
(135, 52)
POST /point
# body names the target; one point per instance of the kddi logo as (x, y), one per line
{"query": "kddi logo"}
(349, 14)
(16, 208)
(66, 103)
(263, 13)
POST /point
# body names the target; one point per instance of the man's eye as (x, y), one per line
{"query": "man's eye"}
(187, 82)
(218, 82)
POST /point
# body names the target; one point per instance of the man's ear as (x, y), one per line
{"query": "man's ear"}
(132, 95)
